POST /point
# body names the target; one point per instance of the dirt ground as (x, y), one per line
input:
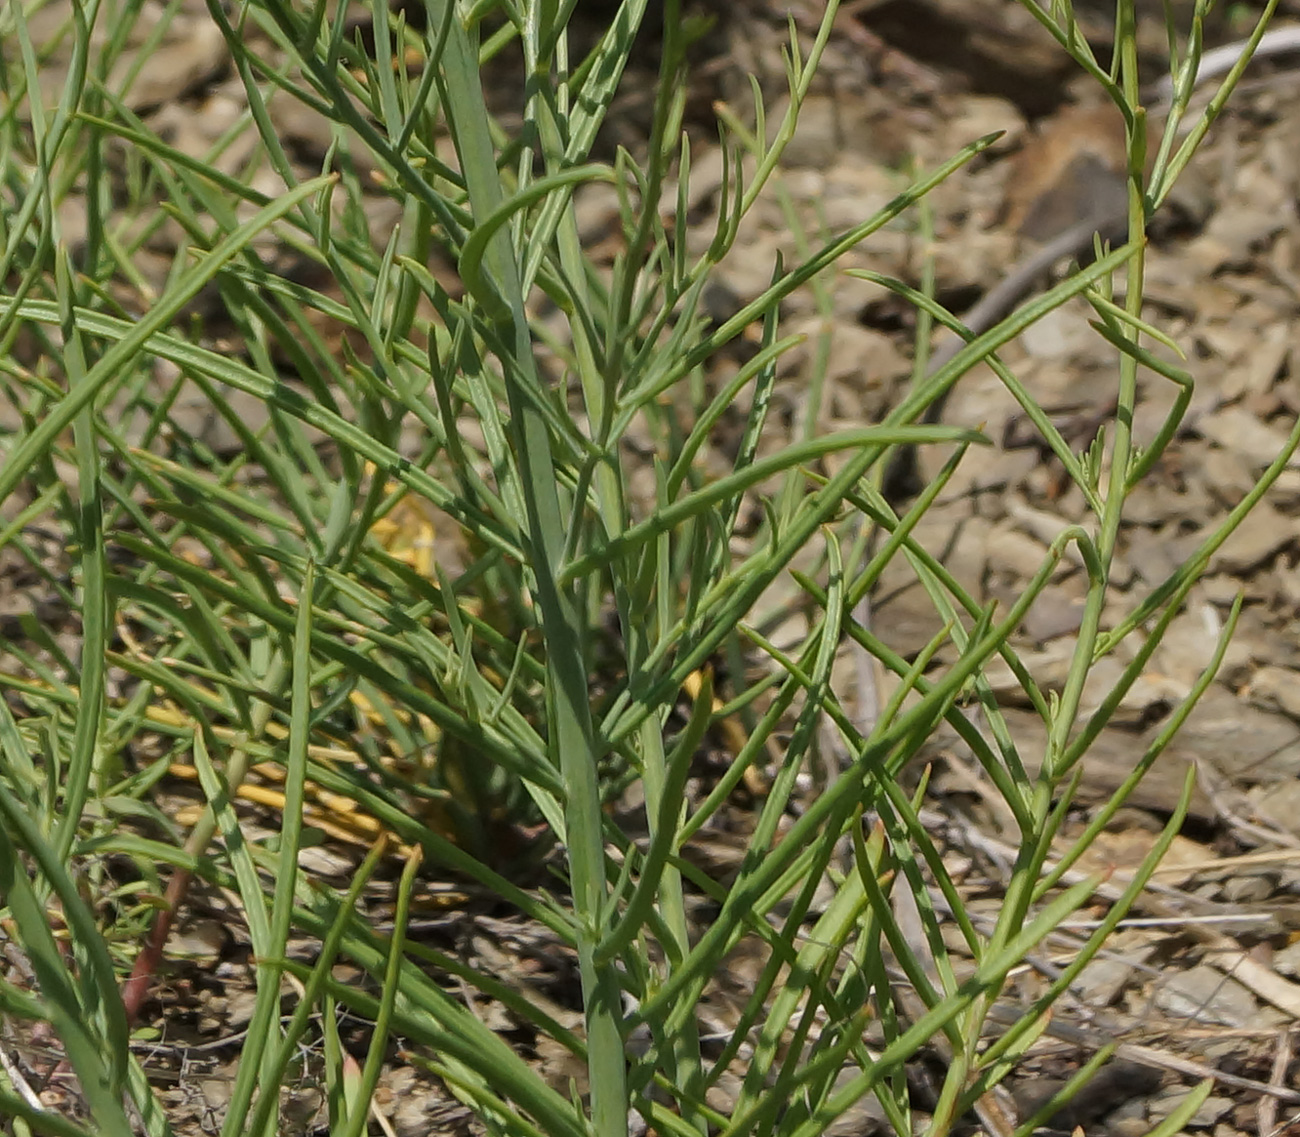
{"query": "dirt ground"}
(1211, 978)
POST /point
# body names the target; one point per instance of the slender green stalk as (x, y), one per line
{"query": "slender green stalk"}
(571, 740)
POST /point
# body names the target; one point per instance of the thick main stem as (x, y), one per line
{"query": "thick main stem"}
(571, 737)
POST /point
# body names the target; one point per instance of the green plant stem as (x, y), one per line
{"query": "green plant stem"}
(571, 739)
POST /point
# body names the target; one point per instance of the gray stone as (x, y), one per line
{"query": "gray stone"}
(192, 53)
(1278, 805)
(1240, 432)
(1276, 689)
(1241, 741)
(1205, 995)
(1262, 534)
(1011, 551)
